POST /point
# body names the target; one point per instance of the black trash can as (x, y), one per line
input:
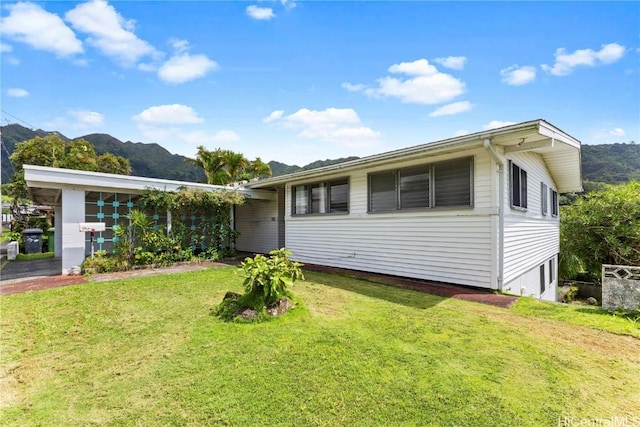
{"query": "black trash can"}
(32, 240)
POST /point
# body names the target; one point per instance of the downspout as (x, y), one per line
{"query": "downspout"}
(501, 167)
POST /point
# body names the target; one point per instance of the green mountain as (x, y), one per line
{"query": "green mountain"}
(611, 163)
(149, 160)
(608, 163)
(278, 168)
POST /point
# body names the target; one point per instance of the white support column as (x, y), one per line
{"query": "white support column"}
(57, 223)
(73, 245)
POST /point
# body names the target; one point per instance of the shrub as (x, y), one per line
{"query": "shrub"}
(266, 281)
(601, 228)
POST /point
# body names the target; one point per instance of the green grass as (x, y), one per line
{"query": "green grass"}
(32, 257)
(147, 351)
(585, 315)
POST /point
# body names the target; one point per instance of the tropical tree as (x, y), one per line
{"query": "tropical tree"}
(603, 227)
(52, 151)
(222, 167)
(259, 169)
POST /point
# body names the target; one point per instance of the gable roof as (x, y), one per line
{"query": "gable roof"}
(559, 150)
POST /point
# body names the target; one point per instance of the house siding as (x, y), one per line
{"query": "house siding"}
(448, 245)
(256, 220)
(530, 238)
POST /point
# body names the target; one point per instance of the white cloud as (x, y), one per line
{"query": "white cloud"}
(17, 92)
(494, 124)
(451, 109)
(353, 88)
(109, 32)
(31, 24)
(617, 132)
(173, 114)
(566, 62)
(87, 119)
(341, 126)
(275, 115)
(260, 13)
(288, 4)
(77, 120)
(185, 67)
(179, 45)
(5, 48)
(453, 62)
(516, 75)
(461, 132)
(426, 85)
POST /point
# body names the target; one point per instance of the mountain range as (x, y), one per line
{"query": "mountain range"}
(608, 163)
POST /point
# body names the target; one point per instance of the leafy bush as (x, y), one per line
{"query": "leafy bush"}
(602, 228)
(102, 263)
(270, 277)
(266, 281)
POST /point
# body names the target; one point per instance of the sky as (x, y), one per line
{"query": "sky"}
(298, 81)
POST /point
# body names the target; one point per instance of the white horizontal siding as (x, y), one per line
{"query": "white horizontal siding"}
(448, 245)
(530, 238)
(256, 220)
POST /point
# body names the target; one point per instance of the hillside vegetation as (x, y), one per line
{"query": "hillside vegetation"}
(608, 163)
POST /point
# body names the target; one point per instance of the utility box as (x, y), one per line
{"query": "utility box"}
(12, 250)
(32, 240)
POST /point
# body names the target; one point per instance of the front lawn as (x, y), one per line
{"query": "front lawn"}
(147, 351)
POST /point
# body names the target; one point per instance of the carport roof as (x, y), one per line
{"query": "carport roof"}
(45, 184)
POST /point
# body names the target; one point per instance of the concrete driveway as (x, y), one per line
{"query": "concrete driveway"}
(35, 268)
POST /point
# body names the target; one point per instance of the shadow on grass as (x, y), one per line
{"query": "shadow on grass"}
(374, 289)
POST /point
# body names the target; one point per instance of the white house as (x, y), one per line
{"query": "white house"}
(478, 210)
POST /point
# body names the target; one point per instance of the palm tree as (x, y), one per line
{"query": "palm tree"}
(235, 163)
(259, 169)
(213, 164)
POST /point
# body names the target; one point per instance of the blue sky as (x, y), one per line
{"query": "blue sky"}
(307, 80)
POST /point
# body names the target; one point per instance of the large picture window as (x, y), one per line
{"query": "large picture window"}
(321, 197)
(443, 184)
(518, 186)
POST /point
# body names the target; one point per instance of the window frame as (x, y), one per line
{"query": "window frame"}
(543, 279)
(327, 185)
(554, 203)
(522, 187)
(432, 186)
(544, 199)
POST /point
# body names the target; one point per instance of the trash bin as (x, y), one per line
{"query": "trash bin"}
(51, 237)
(32, 240)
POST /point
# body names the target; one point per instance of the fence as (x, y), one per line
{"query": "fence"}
(620, 287)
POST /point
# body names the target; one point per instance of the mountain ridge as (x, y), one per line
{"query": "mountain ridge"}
(609, 163)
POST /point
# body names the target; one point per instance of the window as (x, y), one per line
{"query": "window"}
(554, 203)
(543, 280)
(543, 198)
(518, 186)
(443, 184)
(552, 271)
(321, 197)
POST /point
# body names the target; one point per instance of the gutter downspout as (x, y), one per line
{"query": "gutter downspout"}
(501, 181)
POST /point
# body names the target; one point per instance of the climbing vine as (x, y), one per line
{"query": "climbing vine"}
(200, 227)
